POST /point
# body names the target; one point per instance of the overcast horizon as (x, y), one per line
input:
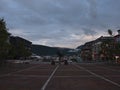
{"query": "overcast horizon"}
(61, 23)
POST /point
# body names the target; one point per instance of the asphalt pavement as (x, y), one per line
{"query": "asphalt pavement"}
(63, 77)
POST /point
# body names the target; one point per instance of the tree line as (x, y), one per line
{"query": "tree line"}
(8, 50)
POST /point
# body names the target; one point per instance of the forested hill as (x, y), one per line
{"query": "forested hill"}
(46, 50)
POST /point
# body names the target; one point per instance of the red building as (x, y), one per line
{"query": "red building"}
(117, 37)
(117, 46)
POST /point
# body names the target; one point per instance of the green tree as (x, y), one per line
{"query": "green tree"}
(23, 51)
(19, 50)
(12, 52)
(4, 45)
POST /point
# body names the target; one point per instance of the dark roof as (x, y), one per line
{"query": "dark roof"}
(104, 38)
(117, 36)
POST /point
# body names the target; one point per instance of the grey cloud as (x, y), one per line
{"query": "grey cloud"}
(89, 31)
(57, 20)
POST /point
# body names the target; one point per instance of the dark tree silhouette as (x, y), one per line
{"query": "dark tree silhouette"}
(60, 55)
(4, 44)
(110, 32)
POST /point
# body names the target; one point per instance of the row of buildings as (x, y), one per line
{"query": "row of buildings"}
(103, 48)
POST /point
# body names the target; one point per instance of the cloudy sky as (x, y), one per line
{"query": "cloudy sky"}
(61, 23)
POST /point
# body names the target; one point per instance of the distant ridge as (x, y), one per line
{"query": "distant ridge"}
(46, 50)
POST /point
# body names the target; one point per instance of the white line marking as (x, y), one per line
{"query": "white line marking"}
(46, 83)
(31, 76)
(18, 71)
(99, 76)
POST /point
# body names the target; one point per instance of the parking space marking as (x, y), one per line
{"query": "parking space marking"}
(31, 76)
(46, 83)
(18, 71)
(99, 76)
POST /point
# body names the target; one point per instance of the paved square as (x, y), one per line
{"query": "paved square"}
(62, 77)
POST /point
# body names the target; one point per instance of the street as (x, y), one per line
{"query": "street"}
(84, 76)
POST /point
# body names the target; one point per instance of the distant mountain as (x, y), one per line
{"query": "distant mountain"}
(43, 50)
(46, 50)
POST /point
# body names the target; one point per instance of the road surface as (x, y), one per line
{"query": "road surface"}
(63, 77)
